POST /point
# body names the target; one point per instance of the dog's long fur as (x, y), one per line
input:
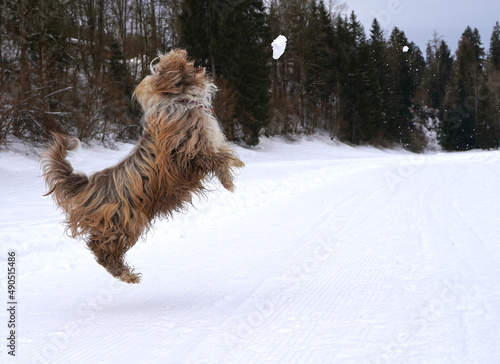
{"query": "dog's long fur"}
(181, 147)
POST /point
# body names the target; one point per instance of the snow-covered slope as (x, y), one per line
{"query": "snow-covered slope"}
(324, 254)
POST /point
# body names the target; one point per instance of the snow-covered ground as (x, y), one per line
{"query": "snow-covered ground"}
(324, 254)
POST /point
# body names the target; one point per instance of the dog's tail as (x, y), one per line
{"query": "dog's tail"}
(58, 172)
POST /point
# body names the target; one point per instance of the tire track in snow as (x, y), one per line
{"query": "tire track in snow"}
(333, 285)
(449, 297)
(299, 266)
(303, 302)
(103, 317)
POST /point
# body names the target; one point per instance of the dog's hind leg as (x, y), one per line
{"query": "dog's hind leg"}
(111, 255)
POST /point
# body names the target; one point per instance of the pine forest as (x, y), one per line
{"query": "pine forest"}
(71, 66)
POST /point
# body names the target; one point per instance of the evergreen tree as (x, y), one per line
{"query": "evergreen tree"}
(318, 56)
(405, 67)
(319, 82)
(243, 60)
(439, 72)
(343, 50)
(494, 71)
(354, 80)
(459, 126)
(491, 93)
(291, 106)
(231, 39)
(378, 91)
(494, 53)
(199, 23)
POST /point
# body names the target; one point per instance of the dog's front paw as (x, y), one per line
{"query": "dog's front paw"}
(226, 180)
(228, 185)
(238, 164)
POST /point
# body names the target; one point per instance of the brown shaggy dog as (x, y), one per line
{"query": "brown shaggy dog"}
(181, 147)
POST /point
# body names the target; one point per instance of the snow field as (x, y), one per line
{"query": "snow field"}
(324, 254)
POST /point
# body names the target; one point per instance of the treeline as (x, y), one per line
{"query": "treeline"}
(365, 88)
(71, 66)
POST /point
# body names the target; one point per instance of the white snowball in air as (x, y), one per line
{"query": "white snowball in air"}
(279, 45)
(406, 49)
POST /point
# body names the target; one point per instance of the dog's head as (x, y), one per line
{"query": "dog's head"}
(172, 75)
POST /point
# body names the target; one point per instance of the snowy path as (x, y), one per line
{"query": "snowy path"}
(324, 254)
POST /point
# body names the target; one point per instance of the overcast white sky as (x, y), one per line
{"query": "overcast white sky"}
(419, 18)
